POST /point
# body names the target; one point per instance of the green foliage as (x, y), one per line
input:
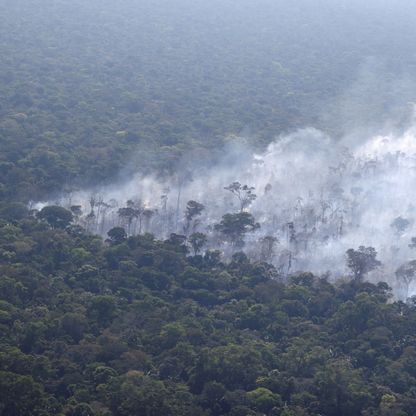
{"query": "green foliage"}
(362, 261)
(117, 235)
(235, 226)
(244, 194)
(264, 400)
(20, 395)
(74, 111)
(133, 326)
(55, 216)
(197, 241)
(139, 327)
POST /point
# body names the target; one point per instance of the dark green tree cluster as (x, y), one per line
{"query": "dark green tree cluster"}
(139, 326)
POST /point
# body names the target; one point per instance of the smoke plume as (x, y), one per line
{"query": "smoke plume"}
(315, 196)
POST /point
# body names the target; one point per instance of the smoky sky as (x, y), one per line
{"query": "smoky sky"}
(338, 75)
(338, 195)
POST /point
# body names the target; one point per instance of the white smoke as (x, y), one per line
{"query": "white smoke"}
(335, 195)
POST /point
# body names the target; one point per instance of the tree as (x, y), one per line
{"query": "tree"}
(116, 235)
(56, 216)
(141, 395)
(193, 209)
(244, 194)
(362, 261)
(135, 210)
(341, 389)
(235, 226)
(264, 400)
(212, 396)
(74, 325)
(267, 245)
(128, 214)
(81, 409)
(13, 211)
(178, 242)
(235, 366)
(102, 308)
(197, 241)
(20, 395)
(400, 225)
(406, 273)
(147, 215)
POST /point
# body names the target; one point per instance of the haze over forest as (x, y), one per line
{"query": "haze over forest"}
(187, 186)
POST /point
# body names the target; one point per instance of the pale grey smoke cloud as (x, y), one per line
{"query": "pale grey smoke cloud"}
(335, 195)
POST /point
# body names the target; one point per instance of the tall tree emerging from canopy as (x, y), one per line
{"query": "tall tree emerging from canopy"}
(56, 216)
(235, 226)
(116, 235)
(244, 194)
(406, 273)
(362, 261)
(197, 241)
(193, 209)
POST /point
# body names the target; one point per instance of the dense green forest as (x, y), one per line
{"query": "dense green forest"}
(131, 325)
(86, 84)
(136, 327)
